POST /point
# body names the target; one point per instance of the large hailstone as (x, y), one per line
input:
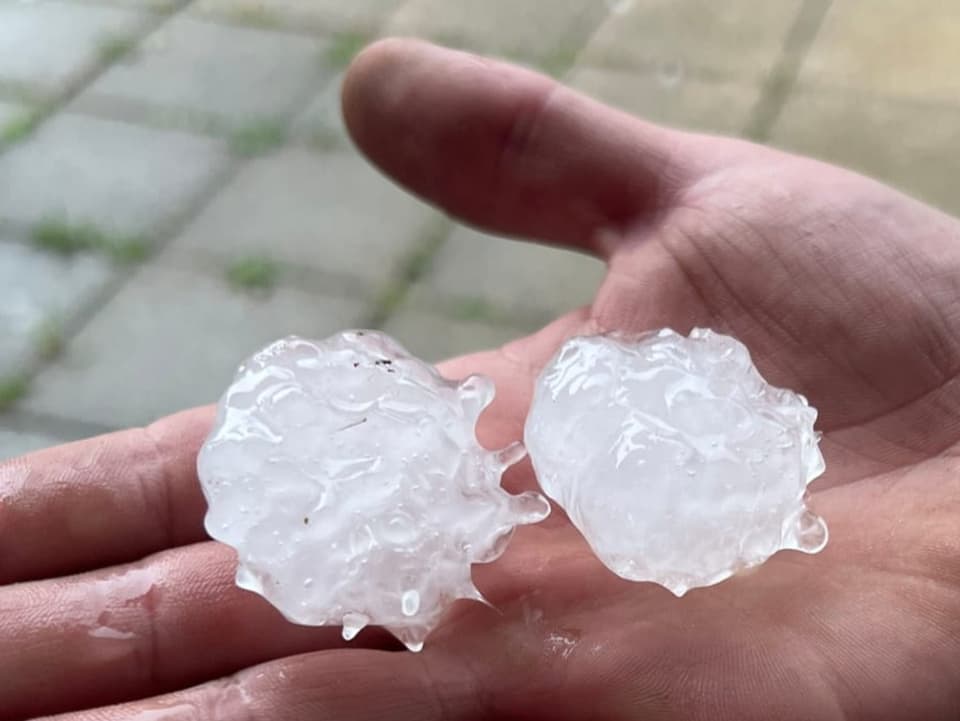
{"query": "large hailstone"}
(673, 457)
(347, 475)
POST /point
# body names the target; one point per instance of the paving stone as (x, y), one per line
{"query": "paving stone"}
(890, 47)
(15, 443)
(330, 211)
(915, 146)
(355, 15)
(550, 32)
(39, 294)
(45, 46)
(719, 106)
(534, 283)
(170, 340)
(236, 76)
(436, 338)
(124, 178)
(733, 39)
(321, 123)
(159, 6)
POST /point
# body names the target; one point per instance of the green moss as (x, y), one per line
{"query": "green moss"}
(59, 236)
(345, 47)
(48, 338)
(476, 309)
(255, 15)
(165, 7)
(126, 248)
(389, 301)
(20, 127)
(253, 273)
(419, 262)
(415, 266)
(12, 389)
(112, 48)
(559, 61)
(258, 137)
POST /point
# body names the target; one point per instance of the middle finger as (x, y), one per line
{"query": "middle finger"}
(174, 619)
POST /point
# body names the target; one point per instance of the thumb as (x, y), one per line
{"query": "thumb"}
(505, 148)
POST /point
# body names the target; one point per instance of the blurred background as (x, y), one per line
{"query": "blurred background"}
(177, 189)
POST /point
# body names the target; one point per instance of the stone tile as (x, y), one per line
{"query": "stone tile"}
(534, 283)
(890, 47)
(716, 106)
(739, 39)
(15, 443)
(321, 123)
(171, 340)
(45, 46)
(39, 294)
(354, 15)
(436, 338)
(159, 6)
(544, 31)
(910, 145)
(124, 178)
(329, 211)
(232, 75)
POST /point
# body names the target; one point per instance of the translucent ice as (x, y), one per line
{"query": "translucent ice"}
(674, 458)
(347, 475)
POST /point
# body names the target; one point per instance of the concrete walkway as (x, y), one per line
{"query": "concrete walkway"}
(176, 187)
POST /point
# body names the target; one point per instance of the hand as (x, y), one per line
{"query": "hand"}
(843, 289)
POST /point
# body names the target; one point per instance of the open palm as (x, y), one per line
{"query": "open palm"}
(843, 289)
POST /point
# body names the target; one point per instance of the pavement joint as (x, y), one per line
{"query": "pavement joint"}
(783, 77)
(46, 108)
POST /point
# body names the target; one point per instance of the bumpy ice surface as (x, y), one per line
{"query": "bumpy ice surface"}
(347, 475)
(674, 458)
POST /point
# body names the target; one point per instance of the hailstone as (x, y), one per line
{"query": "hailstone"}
(347, 475)
(674, 458)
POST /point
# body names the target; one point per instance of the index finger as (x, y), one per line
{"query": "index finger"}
(102, 501)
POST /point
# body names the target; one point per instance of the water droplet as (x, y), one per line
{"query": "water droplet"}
(514, 453)
(307, 582)
(353, 623)
(811, 533)
(410, 603)
(414, 646)
(563, 642)
(530, 507)
(112, 634)
(176, 712)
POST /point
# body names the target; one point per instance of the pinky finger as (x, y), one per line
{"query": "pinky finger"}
(358, 685)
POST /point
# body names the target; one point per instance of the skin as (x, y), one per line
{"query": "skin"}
(844, 290)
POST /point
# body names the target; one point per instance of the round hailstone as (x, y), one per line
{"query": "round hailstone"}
(675, 459)
(347, 475)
